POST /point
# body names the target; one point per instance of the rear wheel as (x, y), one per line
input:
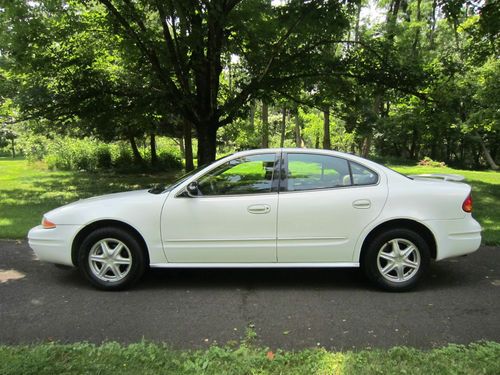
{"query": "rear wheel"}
(111, 259)
(396, 259)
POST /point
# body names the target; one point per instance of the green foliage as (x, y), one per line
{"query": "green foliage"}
(104, 157)
(421, 80)
(91, 155)
(72, 154)
(149, 358)
(34, 146)
(168, 161)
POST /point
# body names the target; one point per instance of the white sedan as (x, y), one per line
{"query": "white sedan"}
(268, 208)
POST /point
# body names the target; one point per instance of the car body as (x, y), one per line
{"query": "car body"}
(267, 208)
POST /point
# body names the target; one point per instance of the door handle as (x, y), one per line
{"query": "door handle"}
(259, 209)
(362, 203)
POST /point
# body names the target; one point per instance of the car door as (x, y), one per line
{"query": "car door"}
(233, 217)
(324, 203)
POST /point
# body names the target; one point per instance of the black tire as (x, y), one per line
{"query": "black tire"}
(121, 247)
(401, 273)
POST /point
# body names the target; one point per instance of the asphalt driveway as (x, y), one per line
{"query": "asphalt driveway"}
(459, 302)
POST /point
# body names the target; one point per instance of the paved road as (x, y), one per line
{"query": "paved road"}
(291, 309)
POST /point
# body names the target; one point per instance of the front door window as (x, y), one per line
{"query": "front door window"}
(245, 175)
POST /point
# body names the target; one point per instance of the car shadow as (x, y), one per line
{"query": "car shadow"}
(257, 278)
(446, 275)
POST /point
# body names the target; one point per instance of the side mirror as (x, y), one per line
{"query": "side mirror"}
(192, 189)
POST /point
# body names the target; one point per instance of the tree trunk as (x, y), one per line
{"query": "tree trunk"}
(188, 147)
(12, 142)
(181, 147)
(486, 153)
(416, 41)
(154, 155)
(356, 27)
(283, 127)
(135, 151)
(252, 115)
(326, 129)
(433, 24)
(298, 139)
(367, 142)
(265, 125)
(207, 142)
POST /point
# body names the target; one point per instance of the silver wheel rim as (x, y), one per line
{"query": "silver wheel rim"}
(398, 260)
(110, 260)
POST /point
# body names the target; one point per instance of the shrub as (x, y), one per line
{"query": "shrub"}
(123, 160)
(168, 161)
(34, 147)
(428, 162)
(72, 154)
(91, 155)
(104, 159)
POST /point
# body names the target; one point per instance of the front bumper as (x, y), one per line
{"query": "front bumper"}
(53, 245)
(455, 237)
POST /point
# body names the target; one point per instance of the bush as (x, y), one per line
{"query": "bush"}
(169, 161)
(34, 147)
(123, 160)
(428, 162)
(92, 155)
(104, 158)
(72, 154)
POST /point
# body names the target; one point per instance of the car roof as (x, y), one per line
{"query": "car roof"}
(305, 151)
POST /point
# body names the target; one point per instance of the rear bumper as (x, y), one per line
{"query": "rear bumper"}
(53, 245)
(455, 237)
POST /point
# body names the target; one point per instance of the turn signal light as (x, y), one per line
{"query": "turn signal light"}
(47, 224)
(467, 205)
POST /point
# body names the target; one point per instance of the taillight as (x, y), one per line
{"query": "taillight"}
(47, 224)
(467, 205)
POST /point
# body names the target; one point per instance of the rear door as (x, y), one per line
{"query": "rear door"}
(324, 204)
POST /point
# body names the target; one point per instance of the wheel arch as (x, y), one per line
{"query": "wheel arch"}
(420, 228)
(85, 231)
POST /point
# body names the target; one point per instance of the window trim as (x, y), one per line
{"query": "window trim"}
(284, 180)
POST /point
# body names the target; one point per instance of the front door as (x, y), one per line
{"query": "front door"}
(232, 219)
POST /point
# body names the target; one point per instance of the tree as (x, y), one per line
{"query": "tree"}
(176, 50)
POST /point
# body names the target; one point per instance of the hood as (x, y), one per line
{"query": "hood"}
(110, 206)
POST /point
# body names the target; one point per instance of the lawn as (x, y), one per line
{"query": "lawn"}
(148, 358)
(29, 190)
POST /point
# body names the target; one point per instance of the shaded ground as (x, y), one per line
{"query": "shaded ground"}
(459, 302)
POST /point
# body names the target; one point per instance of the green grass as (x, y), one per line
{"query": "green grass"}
(148, 358)
(27, 191)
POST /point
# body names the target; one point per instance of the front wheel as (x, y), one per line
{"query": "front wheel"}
(111, 259)
(396, 259)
